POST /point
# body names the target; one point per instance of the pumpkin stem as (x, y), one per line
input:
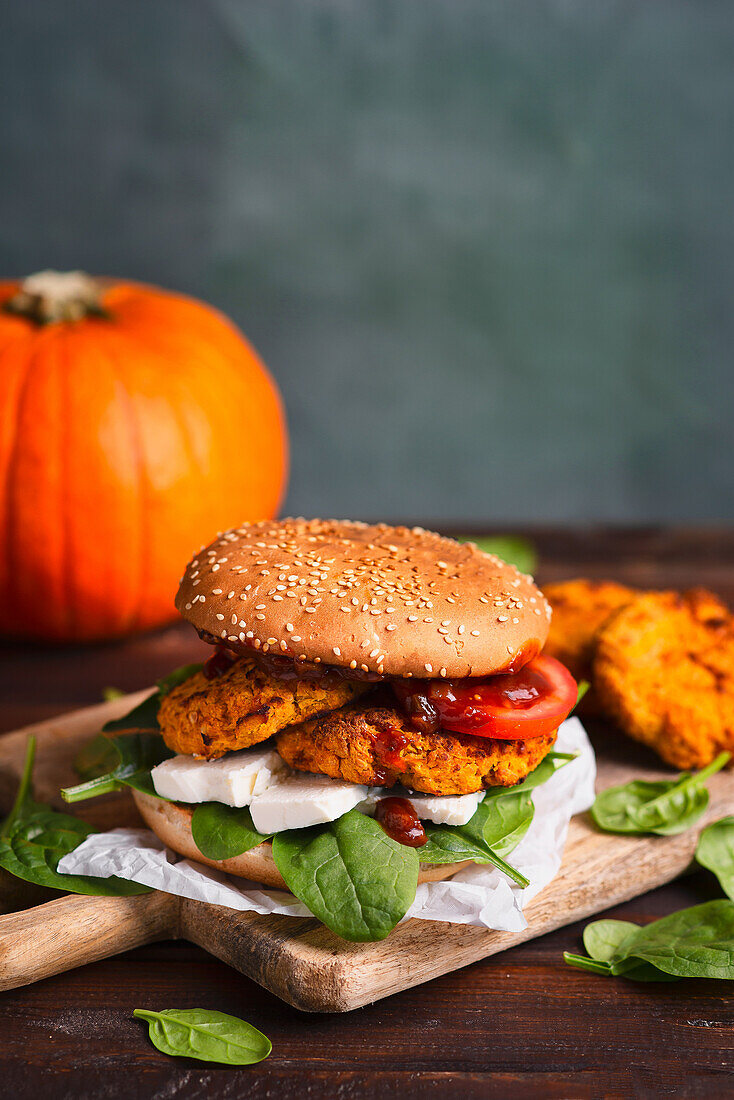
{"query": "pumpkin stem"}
(51, 296)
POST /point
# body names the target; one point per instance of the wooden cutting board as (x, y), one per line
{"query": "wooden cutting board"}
(297, 958)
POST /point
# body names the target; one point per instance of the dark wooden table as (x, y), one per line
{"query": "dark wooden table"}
(519, 1024)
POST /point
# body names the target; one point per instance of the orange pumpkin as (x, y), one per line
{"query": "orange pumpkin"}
(134, 425)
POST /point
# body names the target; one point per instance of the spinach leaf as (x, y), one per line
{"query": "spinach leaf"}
(715, 851)
(547, 767)
(517, 551)
(206, 1035)
(34, 837)
(350, 874)
(142, 717)
(496, 828)
(504, 821)
(221, 832)
(583, 687)
(692, 943)
(450, 844)
(136, 754)
(96, 758)
(185, 672)
(604, 938)
(663, 807)
(145, 715)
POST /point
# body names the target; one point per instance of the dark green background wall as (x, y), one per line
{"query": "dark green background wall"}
(486, 246)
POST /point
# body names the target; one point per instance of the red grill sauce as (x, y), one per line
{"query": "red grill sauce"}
(400, 821)
(220, 662)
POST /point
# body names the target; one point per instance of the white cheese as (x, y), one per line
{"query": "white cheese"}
(300, 800)
(234, 780)
(440, 809)
(444, 809)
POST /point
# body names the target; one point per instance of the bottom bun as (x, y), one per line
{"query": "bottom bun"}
(172, 823)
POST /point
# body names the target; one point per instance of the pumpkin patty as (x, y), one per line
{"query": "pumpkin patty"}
(371, 742)
(664, 670)
(243, 706)
(580, 609)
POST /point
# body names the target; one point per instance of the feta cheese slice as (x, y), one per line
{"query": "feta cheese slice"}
(299, 800)
(445, 809)
(440, 809)
(234, 780)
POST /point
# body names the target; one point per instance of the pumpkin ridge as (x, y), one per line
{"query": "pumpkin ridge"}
(138, 451)
(11, 494)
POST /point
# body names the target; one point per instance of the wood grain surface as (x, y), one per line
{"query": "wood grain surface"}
(517, 1024)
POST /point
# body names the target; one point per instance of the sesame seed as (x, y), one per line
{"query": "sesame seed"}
(336, 651)
(412, 618)
(215, 568)
(260, 616)
(352, 664)
(475, 633)
(502, 618)
(290, 627)
(391, 626)
(442, 672)
(216, 591)
(428, 668)
(220, 617)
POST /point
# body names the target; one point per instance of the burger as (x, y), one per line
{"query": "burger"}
(373, 696)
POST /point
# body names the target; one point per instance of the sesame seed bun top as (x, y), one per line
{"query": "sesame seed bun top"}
(395, 601)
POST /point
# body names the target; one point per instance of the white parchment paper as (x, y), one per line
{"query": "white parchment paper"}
(478, 895)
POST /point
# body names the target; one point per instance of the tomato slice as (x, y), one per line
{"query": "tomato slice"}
(515, 706)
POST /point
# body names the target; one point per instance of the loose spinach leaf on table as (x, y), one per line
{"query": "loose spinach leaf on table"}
(692, 943)
(664, 807)
(350, 874)
(603, 939)
(206, 1035)
(517, 551)
(715, 852)
(136, 754)
(222, 832)
(34, 837)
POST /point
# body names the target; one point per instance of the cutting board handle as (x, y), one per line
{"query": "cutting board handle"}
(78, 929)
